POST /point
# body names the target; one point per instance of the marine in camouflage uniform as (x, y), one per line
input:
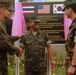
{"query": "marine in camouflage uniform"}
(6, 44)
(70, 43)
(35, 59)
(71, 38)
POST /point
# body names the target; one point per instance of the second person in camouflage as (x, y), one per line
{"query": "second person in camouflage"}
(70, 45)
(34, 42)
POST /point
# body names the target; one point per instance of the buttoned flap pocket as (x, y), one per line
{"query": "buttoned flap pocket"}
(41, 40)
(29, 42)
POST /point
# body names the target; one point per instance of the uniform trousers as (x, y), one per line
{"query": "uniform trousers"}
(3, 73)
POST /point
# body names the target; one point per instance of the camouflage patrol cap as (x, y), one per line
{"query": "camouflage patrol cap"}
(69, 3)
(34, 19)
(6, 5)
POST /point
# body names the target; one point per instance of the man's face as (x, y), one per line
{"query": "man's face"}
(6, 13)
(35, 25)
(68, 12)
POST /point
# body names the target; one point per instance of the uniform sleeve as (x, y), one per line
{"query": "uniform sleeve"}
(10, 48)
(7, 46)
(5, 41)
(22, 42)
(47, 38)
(12, 38)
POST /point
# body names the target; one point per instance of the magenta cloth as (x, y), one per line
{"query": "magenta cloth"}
(18, 25)
(67, 23)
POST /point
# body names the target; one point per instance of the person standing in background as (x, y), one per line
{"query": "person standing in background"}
(6, 41)
(70, 45)
(34, 43)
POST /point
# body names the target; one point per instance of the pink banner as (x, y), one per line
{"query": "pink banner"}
(67, 23)
(18, 25)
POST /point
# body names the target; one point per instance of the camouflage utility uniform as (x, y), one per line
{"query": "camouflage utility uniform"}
(6, 46)
(35, 60)
(70, 42)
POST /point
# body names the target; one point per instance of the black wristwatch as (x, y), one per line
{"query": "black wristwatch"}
(73, 65)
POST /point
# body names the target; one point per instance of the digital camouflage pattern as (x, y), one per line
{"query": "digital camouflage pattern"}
(6, 46)
(70, 42)
(69, 3)
(35, 59)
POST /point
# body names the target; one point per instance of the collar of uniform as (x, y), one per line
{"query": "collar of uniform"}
(38, 31)
(74, 19)
(72, 23)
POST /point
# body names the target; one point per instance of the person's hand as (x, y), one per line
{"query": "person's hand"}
(19, 37)
(20, 52)
(71, 70)
(65, 62)
(52, 65)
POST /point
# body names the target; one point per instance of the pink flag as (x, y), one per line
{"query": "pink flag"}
(19, 25)
(67, 23)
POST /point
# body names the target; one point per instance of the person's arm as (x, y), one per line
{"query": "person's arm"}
(6, 43)
(50, 53)
(14, 38)
(72, 67)
(74, 56)
(74, 51)
(11, 49)
(50, 50)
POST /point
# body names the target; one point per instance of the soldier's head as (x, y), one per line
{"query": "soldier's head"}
(5, 10)
(34, 22)
(69, 7)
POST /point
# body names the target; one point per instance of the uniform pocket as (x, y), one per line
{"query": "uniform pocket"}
(29, 42)
(41, 42)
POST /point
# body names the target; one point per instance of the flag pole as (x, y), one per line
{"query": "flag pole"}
(18, 29)
(16, 58)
